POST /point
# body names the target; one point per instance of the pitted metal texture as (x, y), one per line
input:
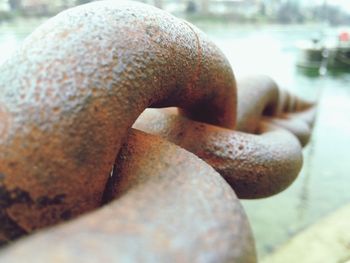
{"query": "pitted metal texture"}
(75, 87)
(177, 210)
(264, 156)
(260, 97)
(68, 99)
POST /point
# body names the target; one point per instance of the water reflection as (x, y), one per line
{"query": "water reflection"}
(315, 73)
(304, 195)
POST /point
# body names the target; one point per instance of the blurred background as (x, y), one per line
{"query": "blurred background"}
(297, 43)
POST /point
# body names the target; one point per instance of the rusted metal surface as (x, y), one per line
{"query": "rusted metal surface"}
(260, 97)
(68, 100)
(177, 210)
(255, 165)
(75, 87)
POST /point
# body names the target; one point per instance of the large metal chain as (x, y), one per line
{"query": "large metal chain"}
(68, 100)
(255, 165)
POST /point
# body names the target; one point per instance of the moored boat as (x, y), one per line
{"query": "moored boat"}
(320, 55)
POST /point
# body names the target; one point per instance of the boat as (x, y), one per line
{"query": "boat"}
(320, 55)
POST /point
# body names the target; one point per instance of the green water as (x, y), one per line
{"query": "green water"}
(323, 184)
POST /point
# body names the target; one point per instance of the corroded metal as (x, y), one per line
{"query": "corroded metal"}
(259, 97)
(255, 165)
(70, 94)
(178, 209)
(68, 99)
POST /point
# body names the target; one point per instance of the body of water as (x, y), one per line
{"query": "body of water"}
(323, 184)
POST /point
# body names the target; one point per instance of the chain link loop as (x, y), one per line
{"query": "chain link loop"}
(68, 100)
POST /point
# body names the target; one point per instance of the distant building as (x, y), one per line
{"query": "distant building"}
(44, 7)
(247, 8)
(218, 7)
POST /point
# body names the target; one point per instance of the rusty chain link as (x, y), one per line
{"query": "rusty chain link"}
(69, 97)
